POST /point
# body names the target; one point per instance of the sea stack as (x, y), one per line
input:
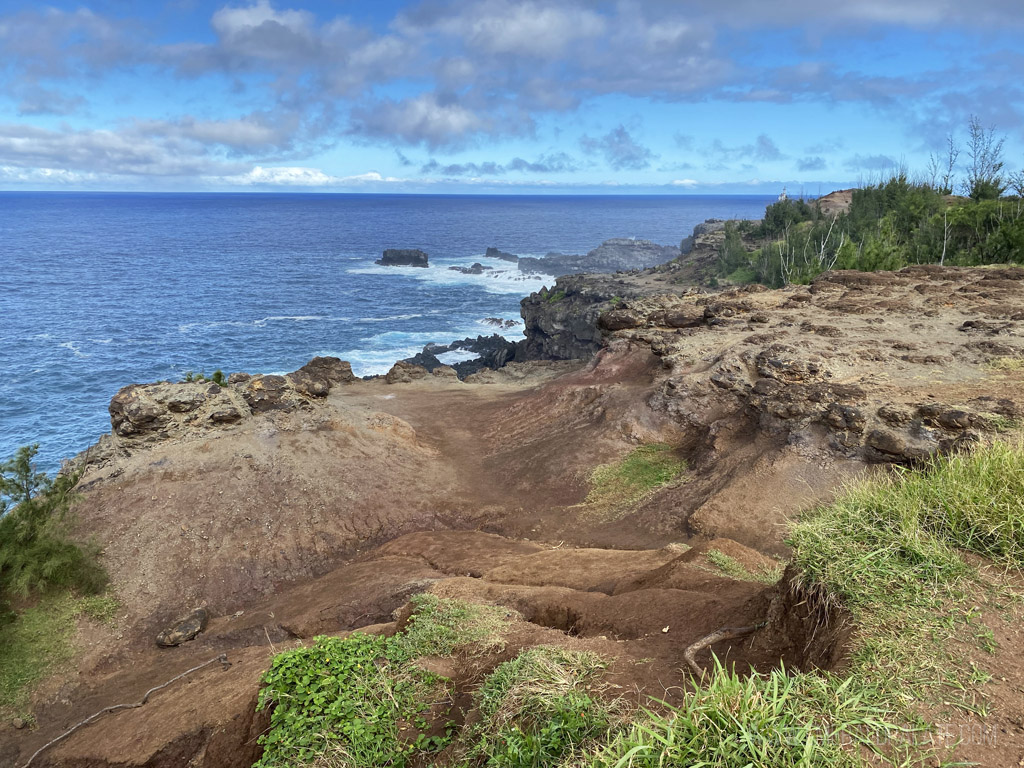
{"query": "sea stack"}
(403, 257)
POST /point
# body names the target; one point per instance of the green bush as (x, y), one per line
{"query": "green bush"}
(36, 549)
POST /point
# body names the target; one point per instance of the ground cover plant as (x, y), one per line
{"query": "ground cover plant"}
(358, 700)
(911, 556)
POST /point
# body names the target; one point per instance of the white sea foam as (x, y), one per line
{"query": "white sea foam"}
(457, 356)
(497, 280)
(73, 346)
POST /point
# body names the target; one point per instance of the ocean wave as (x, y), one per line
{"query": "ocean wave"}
(390, 318)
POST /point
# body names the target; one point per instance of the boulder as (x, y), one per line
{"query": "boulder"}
(267, 393)
(132, 411)
(403, 257)
(403, 373)
(184, 629)
(316, 377)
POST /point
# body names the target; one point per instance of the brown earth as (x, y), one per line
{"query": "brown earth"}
(327, 502)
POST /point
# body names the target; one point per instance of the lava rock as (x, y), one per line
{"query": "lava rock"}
(184, 629)
(267, 393)
(403, 257)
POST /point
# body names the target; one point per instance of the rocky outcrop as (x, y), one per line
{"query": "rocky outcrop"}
(144, 413)
(404, 373)
(615, 255)
(403, 257)
(316, 377)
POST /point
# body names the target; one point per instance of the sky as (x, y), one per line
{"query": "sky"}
(500, 96)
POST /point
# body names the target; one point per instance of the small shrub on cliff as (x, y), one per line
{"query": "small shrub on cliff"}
(36, 551)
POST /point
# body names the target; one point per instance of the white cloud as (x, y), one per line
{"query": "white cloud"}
(301, 177)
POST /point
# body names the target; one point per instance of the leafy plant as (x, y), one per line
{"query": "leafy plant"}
(359, 701)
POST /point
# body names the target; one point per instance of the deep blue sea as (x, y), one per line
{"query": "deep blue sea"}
(102, 290)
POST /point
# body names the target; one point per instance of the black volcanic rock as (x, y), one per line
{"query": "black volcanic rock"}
(403, 257)
(496, 253)
(476, 269)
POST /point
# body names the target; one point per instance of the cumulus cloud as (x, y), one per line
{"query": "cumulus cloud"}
(619, 149)
(284, 176)
(762, 149)
(807, 164)
(426, 119)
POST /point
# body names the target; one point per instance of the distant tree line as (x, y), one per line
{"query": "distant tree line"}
(892, 223)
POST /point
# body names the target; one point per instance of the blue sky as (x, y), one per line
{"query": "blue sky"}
(481, 96)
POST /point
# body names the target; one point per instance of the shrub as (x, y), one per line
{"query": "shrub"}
(36, 551)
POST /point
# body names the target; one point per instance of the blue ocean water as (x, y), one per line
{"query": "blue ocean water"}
(102, 290)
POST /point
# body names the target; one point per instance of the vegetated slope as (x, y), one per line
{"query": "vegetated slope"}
(326, 513)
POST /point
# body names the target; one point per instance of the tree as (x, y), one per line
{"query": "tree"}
(1017, 183)
(985, 179)
(940, 170)
(36, 550)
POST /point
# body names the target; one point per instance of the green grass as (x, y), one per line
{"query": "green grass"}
(542, 708)
(754, 721)
(439, 626)
(617, 486)
(734, 569)
(891, 552)
(38, 640)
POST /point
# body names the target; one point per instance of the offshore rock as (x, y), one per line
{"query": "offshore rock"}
(403, 257)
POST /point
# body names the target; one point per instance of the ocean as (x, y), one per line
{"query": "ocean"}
(100, 290)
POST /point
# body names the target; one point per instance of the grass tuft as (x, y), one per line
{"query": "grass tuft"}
(541, 708)
(890, 551)
(756, 721)
(439, 626)
(619, 485)
(734, 569)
